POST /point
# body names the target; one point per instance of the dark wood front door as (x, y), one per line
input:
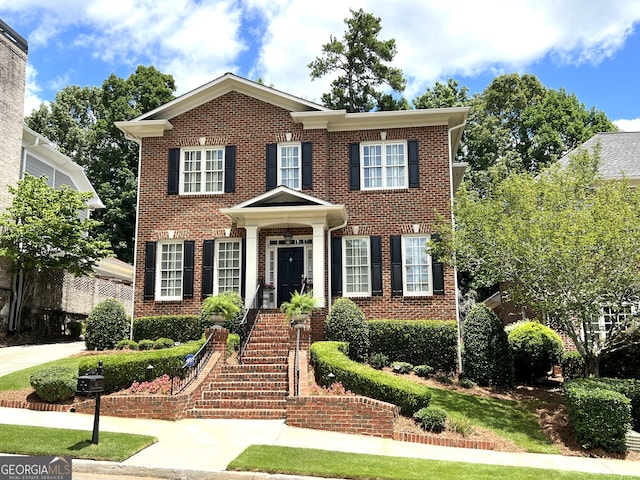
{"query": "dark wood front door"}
(290, 272)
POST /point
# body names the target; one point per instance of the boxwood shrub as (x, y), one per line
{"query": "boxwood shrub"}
(418, 342)
(330, 358)
(600, 417)
(54, 383)
(431, 419)
(122, 369)
(573, 365)
(346, 323)
(106, 325)
(181, 328)
(536, 349)
(630, 388)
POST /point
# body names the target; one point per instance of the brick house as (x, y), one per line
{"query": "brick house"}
(241, 185)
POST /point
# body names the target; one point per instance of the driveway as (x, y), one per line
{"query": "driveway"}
(24, 356)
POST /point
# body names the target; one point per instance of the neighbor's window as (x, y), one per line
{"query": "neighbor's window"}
(170, 271)
(289, 165)
(416, 264)
(384, 165)
(357, 266)
(202, 170)
(228, 265)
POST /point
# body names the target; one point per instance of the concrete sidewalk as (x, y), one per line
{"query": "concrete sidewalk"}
(199, 448)
(24, 356)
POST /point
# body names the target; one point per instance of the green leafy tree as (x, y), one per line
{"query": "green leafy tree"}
(42, 231)
(360, 59)
(565, 241)
(81, 123)
(444, 95)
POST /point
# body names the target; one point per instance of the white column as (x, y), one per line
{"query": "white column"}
(318, 265)
(251, 269)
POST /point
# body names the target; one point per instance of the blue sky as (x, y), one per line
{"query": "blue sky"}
(588, 47)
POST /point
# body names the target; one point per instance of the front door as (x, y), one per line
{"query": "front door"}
(290, 272)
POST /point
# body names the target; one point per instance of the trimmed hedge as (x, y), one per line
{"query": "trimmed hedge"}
(330, 357)
(122, 369)
(106, 325)
(181, 328)
(536, 349)
(418, 342)
(54, 383)
(600, 417)
(630, 388)
(573, 365)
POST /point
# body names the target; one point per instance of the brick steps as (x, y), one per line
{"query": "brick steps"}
(258, 387)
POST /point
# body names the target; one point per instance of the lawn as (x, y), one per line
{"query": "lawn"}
(20, 380)
(325, 463)
(114, 447)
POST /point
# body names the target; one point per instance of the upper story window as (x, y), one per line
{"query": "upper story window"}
(384, 165)
(289, 165)
(202, 170)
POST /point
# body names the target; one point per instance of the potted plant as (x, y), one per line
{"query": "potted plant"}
(218, 308)
(299, 307)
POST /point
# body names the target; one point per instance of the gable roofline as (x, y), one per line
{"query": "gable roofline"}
(279, 191)
(225, 84)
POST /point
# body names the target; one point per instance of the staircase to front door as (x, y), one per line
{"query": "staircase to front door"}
(257, 387)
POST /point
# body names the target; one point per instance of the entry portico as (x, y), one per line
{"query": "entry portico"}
(286, 208)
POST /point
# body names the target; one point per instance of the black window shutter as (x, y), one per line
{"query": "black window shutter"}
(396, 265)
(187, 268)
(174, 171)
(230, 169)
(414, 164)
(307, 166)
(207, 268)
(272, 166)
(243, 260)
(354, 166)
(336, 266)
(437, 271)
(376, 265)
(149, 270)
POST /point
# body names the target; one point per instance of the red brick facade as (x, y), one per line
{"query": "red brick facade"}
(250, 124)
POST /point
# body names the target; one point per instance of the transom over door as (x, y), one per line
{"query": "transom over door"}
(290, 272)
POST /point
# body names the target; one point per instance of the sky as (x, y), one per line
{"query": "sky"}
(588, 47)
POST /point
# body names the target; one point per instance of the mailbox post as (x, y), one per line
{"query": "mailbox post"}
(93, 384)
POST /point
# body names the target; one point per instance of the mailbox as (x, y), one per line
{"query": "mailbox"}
(90, 384)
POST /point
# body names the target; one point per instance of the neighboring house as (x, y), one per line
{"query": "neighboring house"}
(241, 184)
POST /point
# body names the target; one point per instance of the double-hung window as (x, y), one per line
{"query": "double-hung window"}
(228, 265)
(416, 265)
(290, 165)
(357, 266)
(169, 271)
(202, 170)
(384, 165)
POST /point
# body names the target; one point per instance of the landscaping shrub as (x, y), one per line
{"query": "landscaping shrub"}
(330, 358)
(621, 356)
(161, 343)
(121, 370)
(600, 417)
(378, 361)
(423, 370)
(127, 345)
(145, 344)
(460, 424)
(443, 378)
(75, 328)
(419, 342)
(487, 357)
(158, 386)
(466, 383)
(346, 323)
(54, 383)
(402, 367)
(630, 388)
(106, 325)
(573, 365)
(182, 328)
(431, 419)
(536, 349)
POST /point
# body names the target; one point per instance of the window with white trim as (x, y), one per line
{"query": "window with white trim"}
(416, 265)
(202, 170)
(356, 252)
(383, 165)
(169, 271)
(612, 320)
(228, 265)
(290, 165)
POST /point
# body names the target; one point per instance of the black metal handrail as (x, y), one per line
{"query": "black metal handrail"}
(248, 321)
(193, 365)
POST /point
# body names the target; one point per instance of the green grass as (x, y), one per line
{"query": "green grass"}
(20, 379)
(114, 447)
(325, 463)
(513, 420)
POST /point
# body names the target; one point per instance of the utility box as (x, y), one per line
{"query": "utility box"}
(90, 384)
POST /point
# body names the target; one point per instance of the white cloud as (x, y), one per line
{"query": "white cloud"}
(32, 98)
(632, 125)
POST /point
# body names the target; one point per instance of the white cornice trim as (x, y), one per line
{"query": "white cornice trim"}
(138, 129)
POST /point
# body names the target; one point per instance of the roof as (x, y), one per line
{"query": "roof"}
(113, 269)
(619, 155)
